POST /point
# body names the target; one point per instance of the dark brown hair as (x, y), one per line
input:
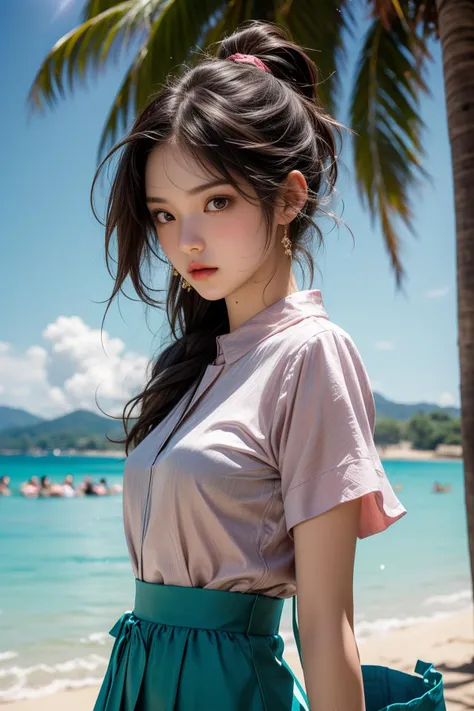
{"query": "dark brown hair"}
(247, 124)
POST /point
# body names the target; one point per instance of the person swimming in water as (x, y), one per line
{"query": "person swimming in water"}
(45, 488)
(68, 489)
(101, 488)
(5, 485)
(31, 487)
(89, 487)
(441, 488)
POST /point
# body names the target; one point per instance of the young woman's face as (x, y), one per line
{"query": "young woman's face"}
(215, 225)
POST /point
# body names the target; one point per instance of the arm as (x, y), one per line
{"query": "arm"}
(324, 557)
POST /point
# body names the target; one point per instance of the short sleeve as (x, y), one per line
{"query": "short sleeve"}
(322, 437)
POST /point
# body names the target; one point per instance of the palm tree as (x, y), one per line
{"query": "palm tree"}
(384, 110)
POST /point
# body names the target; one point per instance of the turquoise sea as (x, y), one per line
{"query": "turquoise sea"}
(65, 576)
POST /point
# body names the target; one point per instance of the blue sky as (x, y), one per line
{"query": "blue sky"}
(53, 276)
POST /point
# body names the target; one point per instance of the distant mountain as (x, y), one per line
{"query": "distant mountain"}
(82, 422)
(21, 431)
(400, 411)
(12, 417)
(79, 429)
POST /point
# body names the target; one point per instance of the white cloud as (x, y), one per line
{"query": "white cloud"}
(447, 400)
(76, 366)
(384, 345)
(438, 293)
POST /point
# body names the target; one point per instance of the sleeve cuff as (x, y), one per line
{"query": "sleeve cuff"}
(312, 497)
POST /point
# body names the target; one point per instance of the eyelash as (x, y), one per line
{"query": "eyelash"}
(230, 199)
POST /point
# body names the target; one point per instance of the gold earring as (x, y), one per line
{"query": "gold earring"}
(286, 242)
(184, 283)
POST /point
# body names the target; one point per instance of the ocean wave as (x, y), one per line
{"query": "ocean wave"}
(100, 638)
(4, 656)
(48, 679)
(367, 629)
(461, 596)
(90, 663)
(20, 692)
(376, 628)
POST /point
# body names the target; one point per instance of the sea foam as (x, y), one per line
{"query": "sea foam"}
(48, 677)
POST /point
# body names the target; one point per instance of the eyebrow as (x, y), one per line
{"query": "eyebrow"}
(193, 191)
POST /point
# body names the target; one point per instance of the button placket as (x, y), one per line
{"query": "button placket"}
(210, 375)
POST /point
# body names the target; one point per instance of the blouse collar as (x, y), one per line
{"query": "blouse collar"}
(274, 318)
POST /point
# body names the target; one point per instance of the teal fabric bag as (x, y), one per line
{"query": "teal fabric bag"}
(387, 689)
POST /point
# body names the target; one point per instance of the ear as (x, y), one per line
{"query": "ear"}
(294, 195)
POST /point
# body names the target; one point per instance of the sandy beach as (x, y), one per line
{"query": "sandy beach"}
(403, 450)
(448, 643)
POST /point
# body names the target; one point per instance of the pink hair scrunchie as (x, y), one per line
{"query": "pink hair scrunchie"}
(249, 59)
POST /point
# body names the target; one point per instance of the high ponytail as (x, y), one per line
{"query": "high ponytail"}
(270, 43)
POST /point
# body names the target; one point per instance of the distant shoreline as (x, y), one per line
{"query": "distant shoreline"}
(391, 452)
(105, 453)
(446, 453)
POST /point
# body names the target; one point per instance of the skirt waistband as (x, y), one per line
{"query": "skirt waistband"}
(247, 613)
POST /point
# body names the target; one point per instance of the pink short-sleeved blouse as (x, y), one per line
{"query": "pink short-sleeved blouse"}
(279, 430)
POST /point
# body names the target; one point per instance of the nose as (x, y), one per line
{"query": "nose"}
(190, 238)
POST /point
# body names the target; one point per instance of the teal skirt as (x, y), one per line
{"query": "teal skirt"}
(196, 649)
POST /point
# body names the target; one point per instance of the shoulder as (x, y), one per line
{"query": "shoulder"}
(312, 339)
(320, 356)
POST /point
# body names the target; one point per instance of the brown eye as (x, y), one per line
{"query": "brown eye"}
(160, 213)
(220, 202)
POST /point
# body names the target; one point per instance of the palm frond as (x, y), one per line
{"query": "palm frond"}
(385, 118)
(87, 46)
(419, 14)
(386, 11)
(231, 16)
(123, 107)
(321, 26)
(92, 8)
(171, 41)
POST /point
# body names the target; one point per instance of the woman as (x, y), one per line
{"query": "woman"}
(89, 488)
(101, 488)
(68, 490)
(5, 485)
(45, 489)
(31, 487)
(253, 468)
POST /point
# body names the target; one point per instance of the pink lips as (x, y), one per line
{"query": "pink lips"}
(203, 273)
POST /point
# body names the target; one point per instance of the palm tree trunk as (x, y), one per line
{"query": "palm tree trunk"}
(456, 28)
